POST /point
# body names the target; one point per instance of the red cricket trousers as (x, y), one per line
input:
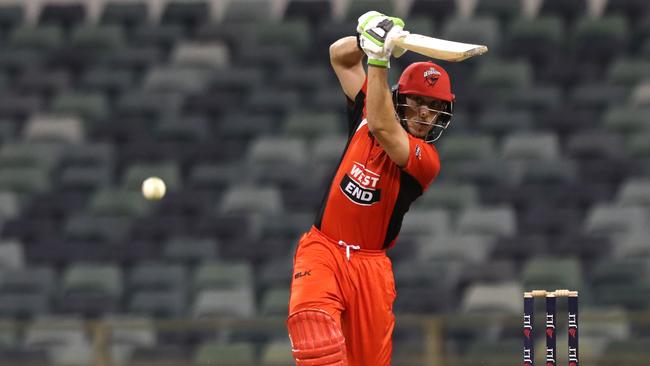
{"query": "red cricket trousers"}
(355, 286)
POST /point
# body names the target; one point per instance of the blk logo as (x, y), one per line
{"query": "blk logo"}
(302, 274)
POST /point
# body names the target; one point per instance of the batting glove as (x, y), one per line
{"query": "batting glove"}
(376, 35)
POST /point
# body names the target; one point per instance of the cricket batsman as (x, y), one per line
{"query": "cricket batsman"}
(342, 290)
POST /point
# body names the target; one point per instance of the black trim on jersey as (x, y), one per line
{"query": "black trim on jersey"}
(409, 190)
(355, 114)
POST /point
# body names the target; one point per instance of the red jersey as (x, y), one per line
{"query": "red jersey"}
(369, 193)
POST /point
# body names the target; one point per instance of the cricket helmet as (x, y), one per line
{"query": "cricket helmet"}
(429, 80)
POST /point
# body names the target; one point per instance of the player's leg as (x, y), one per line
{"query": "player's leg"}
(316, 339)
(368, 322)
(315, 307)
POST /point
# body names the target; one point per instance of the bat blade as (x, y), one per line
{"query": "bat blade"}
(439, 48)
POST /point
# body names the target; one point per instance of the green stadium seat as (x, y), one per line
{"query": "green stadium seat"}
(294, 33)
(238, 302)
(634, 192)
(600, 39)
(631, 296)
(306, 79)
(549, 172)
(175, 79)
(246, 198)
(421, 24)
(491, 353)
(55, 129)
(328, 149)
(37, 38)
(93, 277)
(91, 289)
(495, 221)
(222, 275)
(275, 302)
(477, 30)
(313, 11)
(641, 95)
(110, 81)
(158, 303)
(438, 10)
(8, 334)
(11, 16)
(247, 11)
(466, 147)
(277, 353)
(450, 196)
(52, 331)
(162, 36)
(504, 10)
(189, 14)
(628, 72)
(531, 146)
(85, 227)
(25, 180)
(503, 75)
(11, 255)
(499, 121)
(275, 272)
(103, 38)
(190, 250)
(212, 56)
(126, 334)
(626, 120)
(359, 7)
(534, 98)
(149, 275)
(632, 245)
(44, 82)
(213, 177)
(187, 129)
(464, 248)
(9, 205)
(311, 125)
(127, 15)
(429, 223)
(610, 219)
(498, 298)
(597, 96)
(92, 107)
(628, 352)
(638, 145)
(114, 202)
(228, 354)
(274, 150)
(552, 273)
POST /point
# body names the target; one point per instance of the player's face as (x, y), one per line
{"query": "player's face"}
(421, 114)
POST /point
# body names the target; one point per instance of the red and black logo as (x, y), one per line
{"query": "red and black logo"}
(431, 76)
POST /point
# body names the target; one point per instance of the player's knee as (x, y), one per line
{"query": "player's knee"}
(316, 339)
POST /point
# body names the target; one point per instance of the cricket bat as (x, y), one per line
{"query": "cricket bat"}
(439, 48)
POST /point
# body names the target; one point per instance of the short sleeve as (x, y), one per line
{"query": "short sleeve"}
(423, 162)
(356, 109)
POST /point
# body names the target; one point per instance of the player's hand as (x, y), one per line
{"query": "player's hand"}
(376, 35)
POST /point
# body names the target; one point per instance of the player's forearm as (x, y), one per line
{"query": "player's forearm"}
(380, 112)
(345, 52)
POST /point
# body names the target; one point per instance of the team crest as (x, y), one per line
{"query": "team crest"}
(418, 152)
(431, 76)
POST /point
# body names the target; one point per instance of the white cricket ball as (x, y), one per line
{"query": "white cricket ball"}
(153, 188)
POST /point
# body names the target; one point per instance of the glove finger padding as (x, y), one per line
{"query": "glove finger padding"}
(374, 29)
(365, 18)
